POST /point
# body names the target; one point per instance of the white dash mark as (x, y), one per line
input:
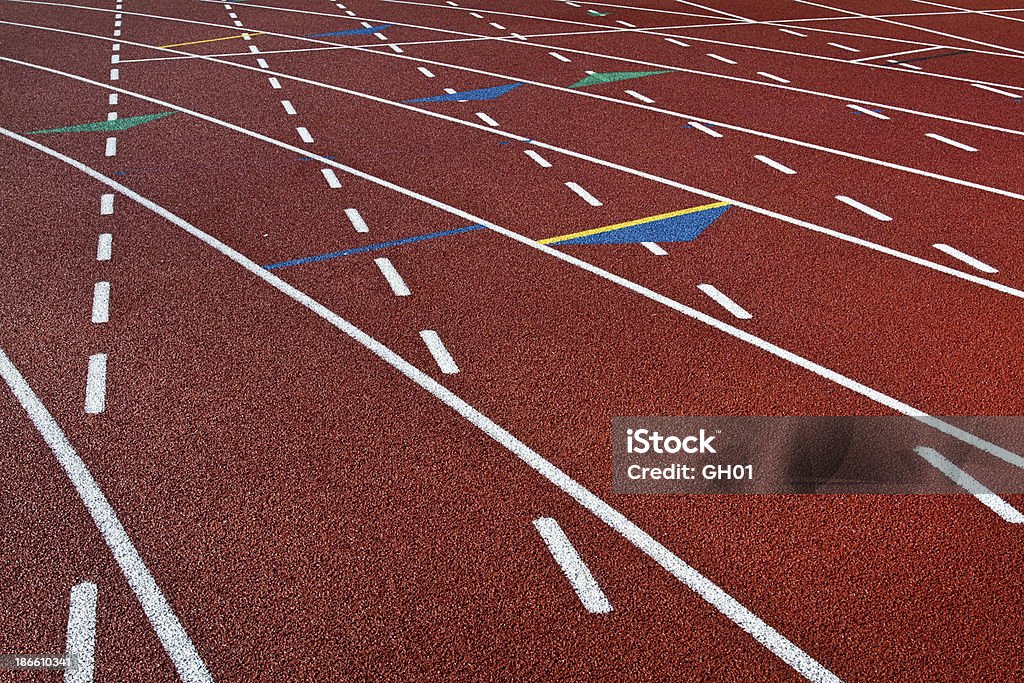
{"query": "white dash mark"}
(969, 260)
(654, 248)
(111, 147)
(274, 83)
(357, 221)
(844, 47)
(253, 49)
(625, 23)
(245, 36)
(288, 108)
(425, 71)
(232, 15)
(112, 116)
(541, 161)
(572, 566)
(793, 33)
(954, 143)
(561, 58)
(115, 59)
(773, 77)
(498, 26)
(863, 110)
(380, 36)
(106, 205)
(115, 74)
(81, 634)
(518, 36)
(774, 164)
(331, 177)
(237, 23)
(587, 197)
(475, 15)
(974, 487)
(101, 303)
(339, 5)
(262, 63)
(721, 58)
(117, 33)
(395, 48)
(387, 269)
(96, 384)
(874, 213)
(642, 98)
(725, 302)
(304, 134)
(487, 119)
(437, 349)
(704, 129)
(112, 99)
(677, 42)
(117, 24)
(453, 4)
(116, 47)
(103, 246)
(997, 91)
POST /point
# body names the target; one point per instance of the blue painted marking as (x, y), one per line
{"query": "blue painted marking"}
(471, 95)
(860, 113)
(708, 125)
(372, 247)
(683, 228)
(352, 32)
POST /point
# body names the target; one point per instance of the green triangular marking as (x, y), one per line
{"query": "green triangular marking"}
(595, 13)
(116, 124)
(612, 76)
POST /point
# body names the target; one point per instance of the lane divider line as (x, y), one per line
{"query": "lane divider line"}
(390, 273)
(572, 565)
(725, 302)
(81, 633)
(969, 260)
(968, 483)
(439, 351)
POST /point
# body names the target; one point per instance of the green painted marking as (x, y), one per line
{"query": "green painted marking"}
(97, 126)
(595, 13)
(612, 76)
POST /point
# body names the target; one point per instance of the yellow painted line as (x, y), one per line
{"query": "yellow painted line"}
(628, 224)
(212, 40)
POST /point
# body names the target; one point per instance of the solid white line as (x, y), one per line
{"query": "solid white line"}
(387, 269)
(771, 639)
(774, 164)
(274, 83)
(793, 33)
(863, 110)
(773, 77)
(331, 177)
(103, 246)
(954, 143)
(111, 149)
(704, 129)
(544, 163)
(81, 633)
(262, 63)
(969, 260)
(721, 58)
(997, 91)
(844, 47)
(106, 205)
(425, 71)
(587, 197)
(288, 108)
(357, 221)
(487, 119)
(96, 384)
(677, 42)
(304, 134)
(642, 98)
(569, 561)
(101, 302)
(974, 487)
(725, 302)
(654, 248)
(437, 349)
(561, 58)
(187, 662)
(115, 74)
(874, 213)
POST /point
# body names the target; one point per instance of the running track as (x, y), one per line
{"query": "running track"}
(342, 468)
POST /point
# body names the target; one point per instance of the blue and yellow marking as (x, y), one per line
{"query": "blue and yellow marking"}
(675, 226)
(478, 95)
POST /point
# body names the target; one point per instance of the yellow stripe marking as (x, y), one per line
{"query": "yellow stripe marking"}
(211, 40)
(629, 224)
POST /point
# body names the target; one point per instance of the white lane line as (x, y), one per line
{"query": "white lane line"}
(387, 269)
(725, 302)
(106, 205)
(112, 99)
(864, 110)
(677, 42)
(304, 134)
(274, 83)
(103, 246)
(111, 149)
(793, 33)
(357, 221)
(437, 349)
(262, 63)
(288, 107)
(774, 164)
(642, 98)
(773, 77)
(654, 248)
(587, 197)
(874, 213)
(101, 303)
(179, 647)
(544, 163)
(721, 58)
(954, 143)
(331, 177)
(498, 26)
(425, 71)
(969, 260)
(96, 384)
(974, 487)
(561, 58)
(844, 47)
(572, 566)
(115, 74)
(704, 129)
(1015, 95)
(81, 633)
(487, 119)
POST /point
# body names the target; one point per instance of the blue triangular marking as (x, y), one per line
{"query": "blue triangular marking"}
(471, 95)
(352, 32)
(683, 228)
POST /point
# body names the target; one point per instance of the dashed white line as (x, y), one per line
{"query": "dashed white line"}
(274, 83)
(253, 49)
(112, 116)
(112, 99)
(437, 349)
(874, 213)
(773, 77)
(654, 248)
(844, 47)
(774, 164)
(704, 129)
(117, 24)
(974, 487)
(114, 59)
(969, 260)
(380, 36)
(262, 63)
(721, 58)
(453, 4)
(544, 163)
(101, 303)
(559, 57)
(476, 16)
(498, 26)
(357, 221)
(304, 134)
(863, 110)
(487, 119)
(677, 42)
(117, 33)
(425, 71)
(586, 196)
(115, 74)
(387, 269)
(116, 47)
(232, 15)
(953, 143)
(518, 36)
(625, 23)
(906, 65)
(793, 33)
(725, 302)
(642, 98)
(106, 205)
(288, 107)
(96, 384)
(572, 566)
(997, 91)
(111, 149)
(237, 23)
(103, 246)
(395, 48)
(81, 633)
(331, 177)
